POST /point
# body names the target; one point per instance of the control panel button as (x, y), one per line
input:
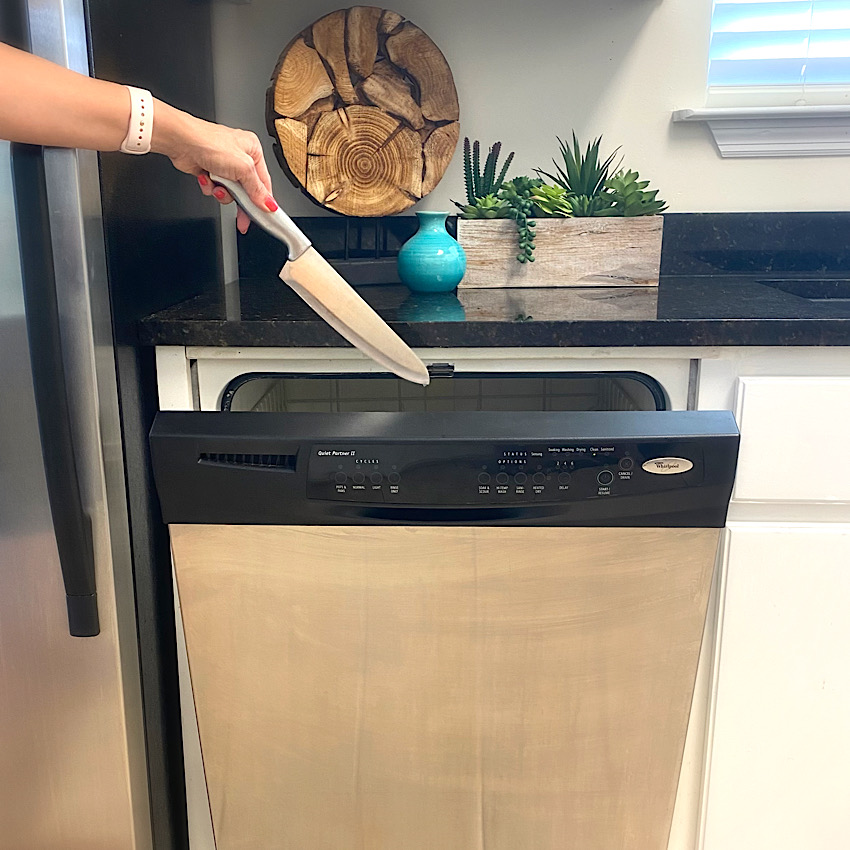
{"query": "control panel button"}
(626, 463)
(393, 478)
(520, 478)
(564, 478)
(605, 477)
(376, 477)
(340, 477)
(502, 478)
(484, 478)
(539, 478)
(358, 478)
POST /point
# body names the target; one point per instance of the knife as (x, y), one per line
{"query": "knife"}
(313, 278)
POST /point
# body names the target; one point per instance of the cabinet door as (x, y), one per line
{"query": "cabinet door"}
(793, 439)
(779, 738)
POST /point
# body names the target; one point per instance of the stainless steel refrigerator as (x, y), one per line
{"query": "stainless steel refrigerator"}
(90, 752)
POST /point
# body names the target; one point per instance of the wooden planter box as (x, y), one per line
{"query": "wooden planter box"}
(568, 252)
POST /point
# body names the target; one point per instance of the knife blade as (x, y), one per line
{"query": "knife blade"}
(323, 289)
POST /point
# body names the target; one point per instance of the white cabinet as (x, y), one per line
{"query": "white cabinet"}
(778, 742)
(779, 737)
(793, 439)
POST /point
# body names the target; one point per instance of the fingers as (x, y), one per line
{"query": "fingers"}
(205, 183)
(262, 169)
(209, 188)
(222, 195)
(237, 155)
(257, 190)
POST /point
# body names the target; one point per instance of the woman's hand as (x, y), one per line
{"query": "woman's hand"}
(95, 114)
(202, 148)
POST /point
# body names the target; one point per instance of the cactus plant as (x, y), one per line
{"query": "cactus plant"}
(480, 183)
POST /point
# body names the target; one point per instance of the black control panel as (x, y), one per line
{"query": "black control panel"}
(630, 469)
(498, 474)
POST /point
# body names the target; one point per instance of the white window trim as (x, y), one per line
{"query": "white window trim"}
(775, 131)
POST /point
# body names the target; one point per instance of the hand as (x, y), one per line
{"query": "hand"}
(95, 115)
(203, 148)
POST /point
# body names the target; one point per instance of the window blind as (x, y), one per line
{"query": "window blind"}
(758, 43)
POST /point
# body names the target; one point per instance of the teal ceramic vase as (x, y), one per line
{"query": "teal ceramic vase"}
(431, 260)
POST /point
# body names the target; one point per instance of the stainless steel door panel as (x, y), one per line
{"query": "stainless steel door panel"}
(73, 767)
(412, 688)
(64, 769)
(58, 32)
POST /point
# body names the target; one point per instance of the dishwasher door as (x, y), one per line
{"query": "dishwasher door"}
(426, 665)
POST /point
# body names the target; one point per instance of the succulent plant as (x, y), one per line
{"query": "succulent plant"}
(517, 193)
(582, 185)
(550, 201)
(584, 206)
(487, 207)
(631, 196)
(479, 183)
(583, 177)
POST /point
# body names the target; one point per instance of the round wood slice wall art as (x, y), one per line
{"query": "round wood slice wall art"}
(364, 112)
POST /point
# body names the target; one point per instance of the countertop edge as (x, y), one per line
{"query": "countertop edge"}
(155, 331)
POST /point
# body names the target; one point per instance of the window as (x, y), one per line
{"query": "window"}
(779, 52)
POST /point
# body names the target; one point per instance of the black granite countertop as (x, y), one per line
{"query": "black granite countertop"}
(727, 279)
(681, 311)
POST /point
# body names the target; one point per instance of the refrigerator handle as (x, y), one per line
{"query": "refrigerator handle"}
(71, 522)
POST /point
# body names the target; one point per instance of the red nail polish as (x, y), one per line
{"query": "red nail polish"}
(271, 204)
(202, 179)
(219, 193)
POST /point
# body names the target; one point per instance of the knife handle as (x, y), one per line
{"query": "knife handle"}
(276, 223)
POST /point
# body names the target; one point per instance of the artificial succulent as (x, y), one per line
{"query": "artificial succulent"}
(583, 177)
(631, 197)
(583, 185)
(480, 183)
(489, 206)
(550, 201)
(517, 193)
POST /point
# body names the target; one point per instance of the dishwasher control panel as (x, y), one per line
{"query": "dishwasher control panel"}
(493, 474)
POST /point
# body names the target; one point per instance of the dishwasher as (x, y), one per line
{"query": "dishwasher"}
(443, 630)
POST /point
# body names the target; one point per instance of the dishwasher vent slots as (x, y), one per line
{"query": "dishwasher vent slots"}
(282, 462)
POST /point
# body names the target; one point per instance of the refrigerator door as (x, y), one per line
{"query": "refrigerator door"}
(73, 767)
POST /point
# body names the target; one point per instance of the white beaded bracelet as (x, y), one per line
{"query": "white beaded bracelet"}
(138, 138)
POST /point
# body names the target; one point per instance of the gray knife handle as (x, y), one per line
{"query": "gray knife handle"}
(277, 223)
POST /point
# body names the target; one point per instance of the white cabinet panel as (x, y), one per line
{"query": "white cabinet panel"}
(793, 439)
(779, 738)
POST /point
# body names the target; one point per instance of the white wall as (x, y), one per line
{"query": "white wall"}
(528, 70)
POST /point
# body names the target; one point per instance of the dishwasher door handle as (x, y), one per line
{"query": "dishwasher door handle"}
(474, 515)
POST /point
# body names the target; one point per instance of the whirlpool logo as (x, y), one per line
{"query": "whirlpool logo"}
(667, 465)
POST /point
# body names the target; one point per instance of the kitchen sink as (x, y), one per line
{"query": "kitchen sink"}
(825, 289)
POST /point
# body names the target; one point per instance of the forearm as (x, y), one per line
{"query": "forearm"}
(46, 104)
